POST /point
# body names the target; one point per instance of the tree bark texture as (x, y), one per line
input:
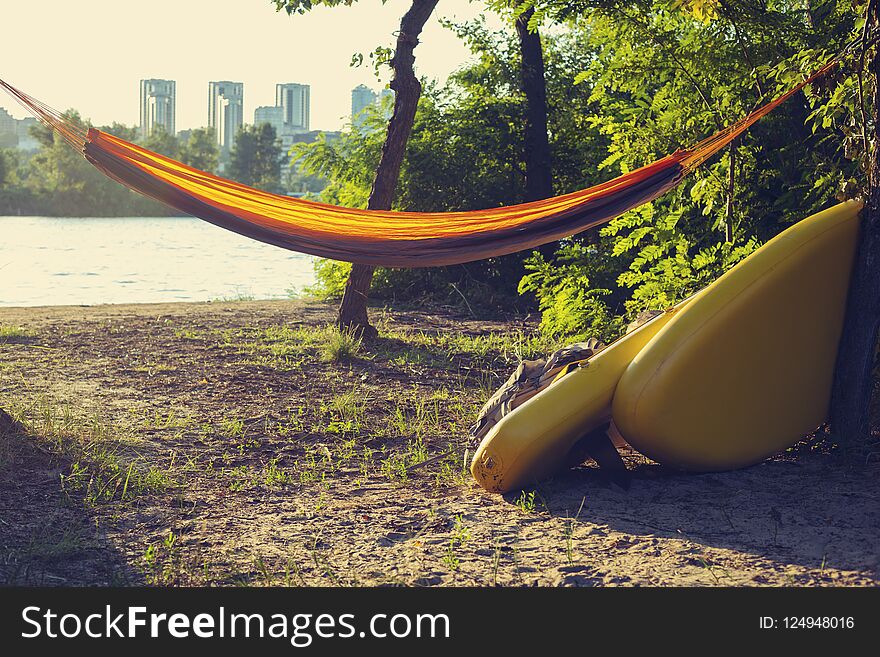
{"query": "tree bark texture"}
(539, 177)
(853, 380)
(407, 90)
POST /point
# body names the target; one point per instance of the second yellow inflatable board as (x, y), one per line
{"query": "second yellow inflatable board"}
(534, 440)
(746, 369)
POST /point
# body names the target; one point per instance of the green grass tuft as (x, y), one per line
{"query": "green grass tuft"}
(341, 345)
(15, 334)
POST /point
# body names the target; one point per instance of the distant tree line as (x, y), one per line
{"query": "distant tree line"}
(57, 181)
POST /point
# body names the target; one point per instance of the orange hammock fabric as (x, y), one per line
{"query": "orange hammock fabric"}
(376, 237)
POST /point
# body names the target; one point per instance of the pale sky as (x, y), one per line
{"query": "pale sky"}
(90, 54)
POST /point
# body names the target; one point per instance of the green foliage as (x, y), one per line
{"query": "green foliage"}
(666, 74)
(163, 142)
(576, 291)
(666, 261)
(465, 152)
(330, 278)
(341, 345)
(128, 133)
(8, 140)
(200, 151)
(304, 6)
(255, 158)
(626, 84)
(57, 180)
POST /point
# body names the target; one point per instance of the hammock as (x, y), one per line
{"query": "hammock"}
(379, 237)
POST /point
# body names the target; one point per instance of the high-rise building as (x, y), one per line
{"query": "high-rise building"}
(385, 99)
(387, 92)
(15, 133)
(8, 130)
(361, 98)
(294, 99)
(7, 122)
(158, 105)
(274, 116)
(26, 141)
(225, 111)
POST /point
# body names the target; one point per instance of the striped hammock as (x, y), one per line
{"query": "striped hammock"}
(377, 237)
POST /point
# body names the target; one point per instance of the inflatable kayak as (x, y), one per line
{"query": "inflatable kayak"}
(724, 379)
(746, 369)
(535, 439)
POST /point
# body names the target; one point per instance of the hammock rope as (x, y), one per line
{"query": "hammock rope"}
(388, 238)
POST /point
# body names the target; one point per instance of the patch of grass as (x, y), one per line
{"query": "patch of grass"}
(417, 417)
(526, 501)
(69, 542)
(397, 464)
(293, 347)
(495, 346)
(165, 420)
(164, 564)
(315, 464)
(568, 533)
(15, 334)
(242, 478)
(238, 296)
(460, 535)
(188, 334)
(345, 412)
(99, 467)
(342, 345)
(54, 541)
(454, 468)
(153, 368)
(275, 476)
(232, 427)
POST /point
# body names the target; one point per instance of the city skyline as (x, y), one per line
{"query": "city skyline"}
(225, 111)
(362, 97)
(290, 117)
(295, 101)
(270, 47)
(158, 106)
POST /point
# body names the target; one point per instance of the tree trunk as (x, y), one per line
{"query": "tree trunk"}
(539, 178)
(407, 90)
(731, 194)
(853, 379)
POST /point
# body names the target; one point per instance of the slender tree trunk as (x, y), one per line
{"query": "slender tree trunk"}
(731, 194)
(853, 379)
(539, 178)
(407, 90)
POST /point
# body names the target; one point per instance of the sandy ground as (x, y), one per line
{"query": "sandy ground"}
(274, 468)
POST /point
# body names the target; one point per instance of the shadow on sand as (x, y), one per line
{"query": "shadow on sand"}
(815, 511)
(48, 538)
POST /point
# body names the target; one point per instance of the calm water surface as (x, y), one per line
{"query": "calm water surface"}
(72, 261)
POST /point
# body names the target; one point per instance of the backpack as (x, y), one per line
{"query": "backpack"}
(530, 378)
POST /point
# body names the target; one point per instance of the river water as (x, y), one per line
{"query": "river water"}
(87, 261)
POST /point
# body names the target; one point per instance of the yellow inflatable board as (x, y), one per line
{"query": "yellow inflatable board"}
(746, 369)
(533, 441)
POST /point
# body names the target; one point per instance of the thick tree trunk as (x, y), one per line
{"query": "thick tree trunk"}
(407, 90)
(539, 178)
(853, 380)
